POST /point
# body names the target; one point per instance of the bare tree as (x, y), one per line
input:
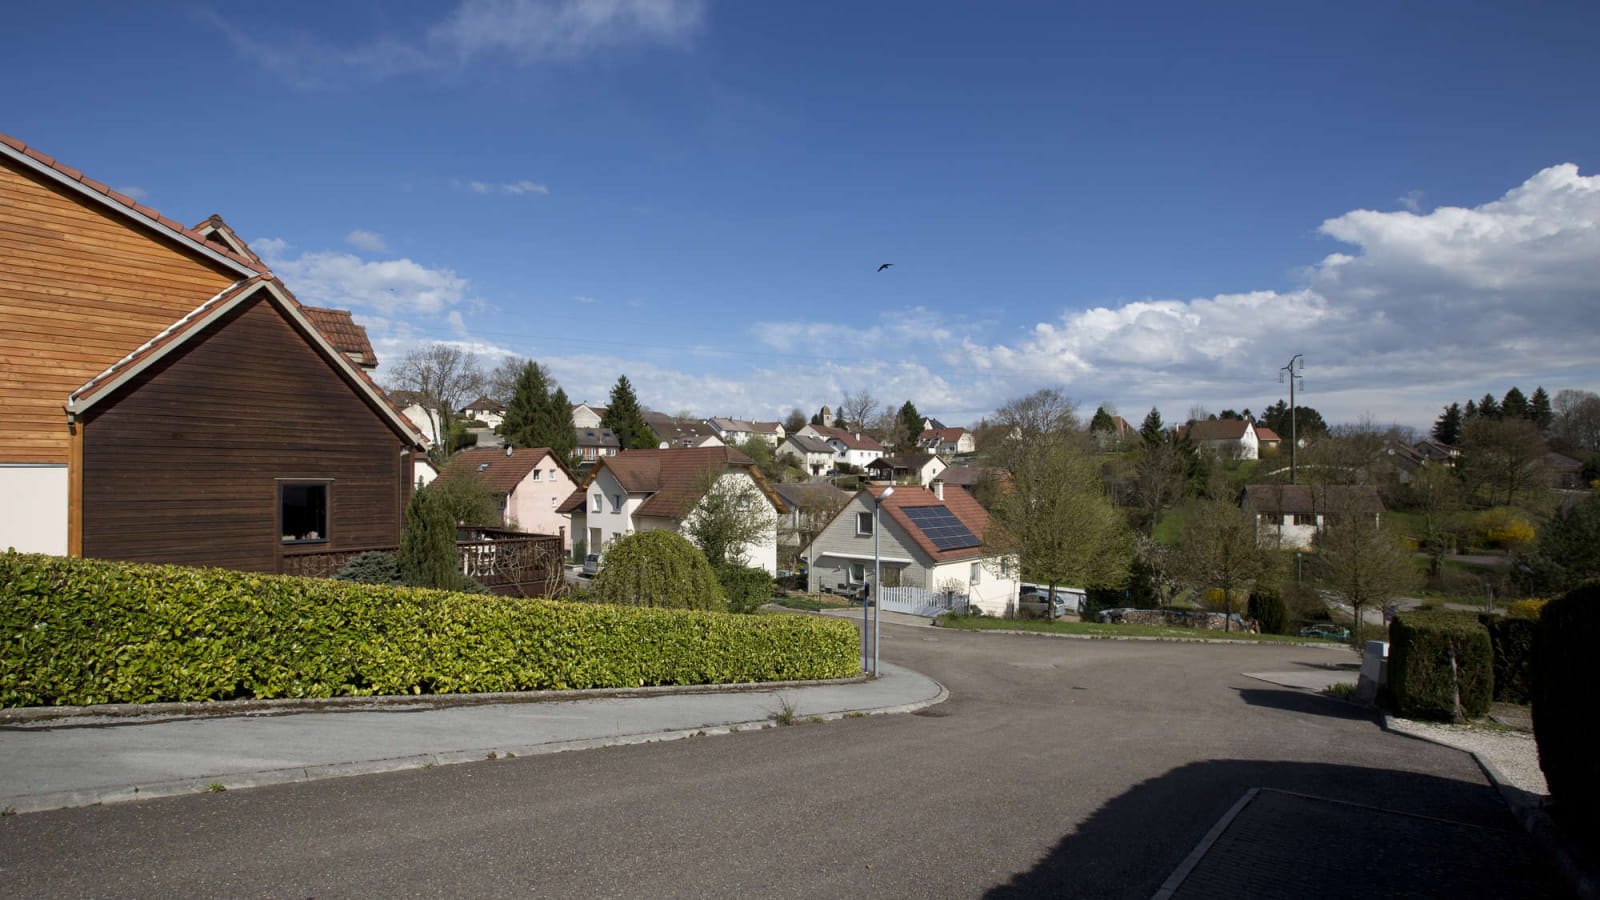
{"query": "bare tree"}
(1501, 457)
(1045, 411)
(1222, 550)
(1359, 556)
(446, 377)
(501, 383)
(859, 409)
(1576, 427)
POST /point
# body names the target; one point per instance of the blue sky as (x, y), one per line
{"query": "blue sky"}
(1153, 205)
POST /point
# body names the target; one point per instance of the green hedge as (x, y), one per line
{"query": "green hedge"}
(1423, 681)
(89, 631)
(745, 587)
(1511, 639)
(1563, 708)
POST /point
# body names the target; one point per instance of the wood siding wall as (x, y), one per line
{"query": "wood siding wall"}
(80, 288)
(181, 464)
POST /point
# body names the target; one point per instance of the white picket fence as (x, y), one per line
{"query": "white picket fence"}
(920, 601)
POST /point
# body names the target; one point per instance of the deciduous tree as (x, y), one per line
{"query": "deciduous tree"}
(447, 377)
(1360, 557)
(1221, 550)
(732, 516)
(1502, 457)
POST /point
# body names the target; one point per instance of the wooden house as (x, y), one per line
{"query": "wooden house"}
(167, 399)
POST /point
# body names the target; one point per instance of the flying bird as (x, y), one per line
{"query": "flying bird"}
(884, 266)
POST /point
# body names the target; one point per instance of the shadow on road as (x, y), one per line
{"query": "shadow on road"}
(1310, 704)
(1315, 830)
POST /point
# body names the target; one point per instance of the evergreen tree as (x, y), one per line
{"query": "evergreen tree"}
(538, 414)
(1102, 421)
(1471, 412)
(1539, 410)
(908, 425)
(1488, 408)
(625, 418)
(1151, 430)
(1448, 429)
(1515, 405)
(816, 417)
(560, 435)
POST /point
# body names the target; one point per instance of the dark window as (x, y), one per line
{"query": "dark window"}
(1305, 519)
(863, 523)
(303, 512)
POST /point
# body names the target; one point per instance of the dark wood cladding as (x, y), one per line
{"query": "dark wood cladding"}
(182, 464)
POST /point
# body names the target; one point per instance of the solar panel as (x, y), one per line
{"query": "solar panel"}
(941, 527)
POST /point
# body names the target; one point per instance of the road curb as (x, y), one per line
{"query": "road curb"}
(1528, 810)
(1133, 637)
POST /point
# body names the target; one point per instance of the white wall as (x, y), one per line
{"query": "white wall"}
(532, 505)
(994, 594)
(35, 508)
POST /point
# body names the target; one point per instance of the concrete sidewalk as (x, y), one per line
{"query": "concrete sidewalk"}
(85, 760)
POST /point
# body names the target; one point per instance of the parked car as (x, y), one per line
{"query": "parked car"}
(1033, 605)
(592, 564)
(1326, 632)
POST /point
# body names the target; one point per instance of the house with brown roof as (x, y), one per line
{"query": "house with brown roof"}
(489, 412)
(913, 468)
(638, 490)
(813, 454)
(679, 433)
(948, 441)
(595, 444)
(1229, 438)
(585, 416)
(1288, 516)
(737, 431)
(530, 485)
(167, 399)
(852, 448)
(930, 538)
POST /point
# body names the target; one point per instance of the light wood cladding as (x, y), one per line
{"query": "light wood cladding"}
(80, 288)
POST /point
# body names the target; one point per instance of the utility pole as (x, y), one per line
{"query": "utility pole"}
(1296, 365)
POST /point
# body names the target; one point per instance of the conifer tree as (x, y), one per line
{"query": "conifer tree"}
(538, 414)
(1151, 429)
(1447, 430)
(1539, 410)
(1102, 421)
(1515, 405)
(1488, 408)
(625, 418)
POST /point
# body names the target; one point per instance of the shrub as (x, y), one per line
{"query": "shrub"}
(1502, 527)
(744, 587)
(1511, 640)
(1269, 611)
(1440, 666)
(372, 567)
(580, 549)
(77, 631)
(658, 568)
(1531, 608)
(428, 556)
(1563, 707)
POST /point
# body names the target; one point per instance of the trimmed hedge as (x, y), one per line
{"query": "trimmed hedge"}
(76, 631)
(1563, 707)
(1512, 642)
(1436, 659)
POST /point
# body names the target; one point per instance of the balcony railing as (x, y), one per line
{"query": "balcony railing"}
(504, 561)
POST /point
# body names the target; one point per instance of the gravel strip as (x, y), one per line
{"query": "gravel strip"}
(1513, 753)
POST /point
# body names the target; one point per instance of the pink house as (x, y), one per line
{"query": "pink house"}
(530, 483)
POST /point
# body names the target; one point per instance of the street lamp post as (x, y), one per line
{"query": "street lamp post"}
(1296, 365)
(877, 575)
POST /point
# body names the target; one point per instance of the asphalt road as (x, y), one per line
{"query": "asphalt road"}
(1058, 768)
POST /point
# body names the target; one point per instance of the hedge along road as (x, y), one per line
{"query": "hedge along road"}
(1057, 768)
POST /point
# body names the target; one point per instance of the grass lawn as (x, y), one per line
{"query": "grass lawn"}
(813, 605)
(1105, 630)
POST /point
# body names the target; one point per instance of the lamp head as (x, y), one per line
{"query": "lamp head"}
(887, 492)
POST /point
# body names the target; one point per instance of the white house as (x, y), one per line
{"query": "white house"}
(737, 431)
(947, 441)
(1288, 516)
(854, 448)
(415, 408)
(530, 485)
(585, 416)
(929, 538)
(1231, 438)
(814, 454)
(638, 490)
(486, 411)
(922, 468)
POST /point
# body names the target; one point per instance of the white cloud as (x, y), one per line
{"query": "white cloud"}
(1412, 200)
(514, 188)
(136, 193)
(1423, 303)
(344, 280)
(522, 32)
(370, 241)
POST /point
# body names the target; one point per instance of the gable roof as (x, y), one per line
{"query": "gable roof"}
(484, 403)
(686, 434)
(948, 435)
(129, 208)
(1306, 499)
(597, 437)
(185, 329)
(497, 470)
(671, 478)
(219, 233)
(1265, 434)
(812, 495)
(344, 334)
(810, 444)
(1216, 430)
(854, 440)
(902, 461)
(960, 504)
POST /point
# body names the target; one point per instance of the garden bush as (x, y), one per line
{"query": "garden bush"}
(1269, 611)
(1440, 666)
(372, 567)
(746, 588)
(1511, 640)
(76, 631)
(658, 568)
(1563, 707)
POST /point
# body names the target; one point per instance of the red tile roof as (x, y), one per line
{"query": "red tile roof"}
(1266, 434)
(961, 505)
(497, 471)
(1216, 429)
(672, 478)
(343, 333)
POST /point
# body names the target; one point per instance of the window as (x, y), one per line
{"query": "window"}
(616, 503)
(599, 502)
(302, 512)
(977, 570)
(538, 474)
(553, 502)
(858, 573)
(863, 523)
(1305, 519)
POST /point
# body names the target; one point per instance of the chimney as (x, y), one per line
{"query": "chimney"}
(938, 489)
